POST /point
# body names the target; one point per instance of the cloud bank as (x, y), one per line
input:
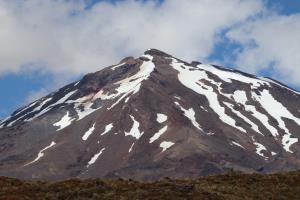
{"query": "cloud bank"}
(65, 37)
(61, 36)
(271, 44)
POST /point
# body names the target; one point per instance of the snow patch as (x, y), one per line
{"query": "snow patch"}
(259, 149)
(177, 97)
(41, 153)
(287, 142)
(203, 109)
(166, 145)
(131, 147)
(95, 157)
(158, 134)
(88, 132)
(65, 98)
(210, 133)
(273, 153)
(134, 132)
(237, 144)
(161, 118)
(190, 114)
(64, 122)
(87, 110)
(127, 99)
(117, 66)
(240, 96)
(107, 128)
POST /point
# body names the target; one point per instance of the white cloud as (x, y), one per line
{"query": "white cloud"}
(270, 43)
(62, 37)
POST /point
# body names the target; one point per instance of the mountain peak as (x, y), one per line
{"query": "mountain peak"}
(156, 52)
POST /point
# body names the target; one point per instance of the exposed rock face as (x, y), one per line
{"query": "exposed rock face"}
(152, 117)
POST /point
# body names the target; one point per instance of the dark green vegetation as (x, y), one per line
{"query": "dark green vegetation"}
(229, 186)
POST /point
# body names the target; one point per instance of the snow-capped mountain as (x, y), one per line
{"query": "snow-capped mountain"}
(152, 117)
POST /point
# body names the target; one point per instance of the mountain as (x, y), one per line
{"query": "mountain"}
(152, 117)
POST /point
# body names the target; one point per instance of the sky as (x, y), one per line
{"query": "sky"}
(47, 44)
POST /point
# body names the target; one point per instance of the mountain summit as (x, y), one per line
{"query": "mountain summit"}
(151, 117)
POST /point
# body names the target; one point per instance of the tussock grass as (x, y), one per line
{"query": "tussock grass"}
(232, 186)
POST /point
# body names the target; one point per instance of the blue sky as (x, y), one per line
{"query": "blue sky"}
(31, 67)
(286, 7)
